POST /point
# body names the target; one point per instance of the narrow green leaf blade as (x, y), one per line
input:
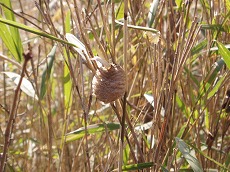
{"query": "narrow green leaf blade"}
(47, 72)
(33, 30)
(191, 159)
(26, 85)
(67, 86)
(91, 129)
(68, 22)
(225, 53)
(207, 82)
(138, 166)
(152, 12)
(216, 87)
(6, 38)
(14, 33)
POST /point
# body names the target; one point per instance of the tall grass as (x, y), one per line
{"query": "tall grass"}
(177, 67)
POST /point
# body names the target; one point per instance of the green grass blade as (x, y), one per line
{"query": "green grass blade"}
(14, 33)
(207, 157)
(33, 30)
(196, 49)
(178, 3)
(209, 79)
(191, 159)
(216, 87)
(68, 22)
(26, 85)
(47, 72)
(91, 129)
(119, 12)
(214, 27)
(137, 166)
(8, 41)
(225, 53)
(182, 106)
(66, 79)
(67, 87)
(152, 12)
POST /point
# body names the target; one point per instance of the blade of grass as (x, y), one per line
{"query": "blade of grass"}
(216, 87)
(91, 129)
(191, 159)
(152, 12)
(26, 85)
(207, 157)
(47, 72)
(14, 33)
(9, 41)
(138, 166)
(33, 30)
(225, 53)
(207, 82)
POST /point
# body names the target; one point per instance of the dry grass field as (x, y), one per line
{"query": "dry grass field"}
(133, 85)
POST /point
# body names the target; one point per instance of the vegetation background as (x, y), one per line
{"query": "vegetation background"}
(177, 67)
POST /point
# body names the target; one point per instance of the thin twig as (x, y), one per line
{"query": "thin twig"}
(125, 49)
(13, 112)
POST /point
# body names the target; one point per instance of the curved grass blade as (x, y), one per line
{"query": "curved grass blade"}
(214, 27)
(206, 84)
(216, 87)
(33, 30)
(47, 72)
(13, 42)
(26, 85)
(152, 12)
(209, 158)
(66, 78)
(191, 159)
(91, 129)
(137, 166)
(225, 53)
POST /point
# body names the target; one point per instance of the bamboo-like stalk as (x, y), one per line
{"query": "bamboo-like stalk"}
(125, 50)
(13, 112)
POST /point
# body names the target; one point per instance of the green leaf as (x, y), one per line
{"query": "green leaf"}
(152, 12)
(68, 22)
(46, 73)
(227, 5)
(33, 30)
(13, 34)
(91, 129)
(182, 130)
(181, 105)
(214, 27)
(225, 53)
(67, 86)
(26, 85)
(126, 154)
(8, 41)
(178, 3)
(196, 49)
(138, 166)
(216, 87)
(186, 152)
(207, 157)
(120, 12)
(207, 82)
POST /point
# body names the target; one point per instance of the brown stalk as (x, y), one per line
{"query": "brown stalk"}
(13, 113)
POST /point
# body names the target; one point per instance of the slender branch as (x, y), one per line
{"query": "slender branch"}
(10, 124)
(125, 49)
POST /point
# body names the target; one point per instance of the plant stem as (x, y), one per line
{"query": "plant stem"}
(10, 124)
(125, 49)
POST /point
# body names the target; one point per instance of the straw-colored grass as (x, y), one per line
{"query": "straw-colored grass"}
(176, 63)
